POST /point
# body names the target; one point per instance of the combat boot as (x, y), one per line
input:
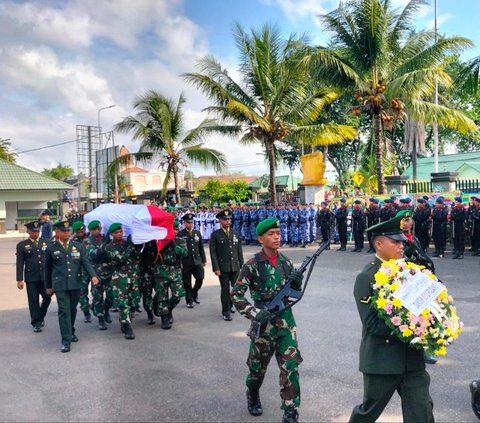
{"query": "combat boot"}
(88, 317)
(101, 324)
(290, 416)
(127, 331)
(166, 322)
(151, 318)
(170, 315)
(107, 317)
(253, 402)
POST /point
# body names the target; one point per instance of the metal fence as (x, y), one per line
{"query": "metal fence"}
(467, 185)
(416, 186)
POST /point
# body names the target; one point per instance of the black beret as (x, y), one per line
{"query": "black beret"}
(33, 226)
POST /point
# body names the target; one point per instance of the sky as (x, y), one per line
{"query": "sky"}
(61, 61)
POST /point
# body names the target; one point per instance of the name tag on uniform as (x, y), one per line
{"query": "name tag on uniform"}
(75, 254)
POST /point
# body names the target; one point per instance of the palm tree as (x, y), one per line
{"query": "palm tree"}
(390, 68)
(159, 124)
(274, 101)
(5, 151)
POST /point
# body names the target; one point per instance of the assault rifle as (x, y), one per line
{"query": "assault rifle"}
(287, 297)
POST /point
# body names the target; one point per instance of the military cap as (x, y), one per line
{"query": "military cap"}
(114, 227)
(224, 214)
(403, 201)
(391, 228)
(176, 224)
(62, 225)
(408, 200)
(45, 213)
(458, 199)
(33, 226)
(343, 200)
(267, 224)
(357, 202)
(477, 199)
(393, 197)
(188, 217)
(439, 200)
(421, 201)
(425, 197)
(387, 201)
(94, 224)
(324, 203)
(404, 213)
(76, 226)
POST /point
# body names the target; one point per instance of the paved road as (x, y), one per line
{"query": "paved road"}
(195, 372)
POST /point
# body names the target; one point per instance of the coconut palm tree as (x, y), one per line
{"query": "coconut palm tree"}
(5, 151)
(391, 69)
(273, 99)
(159, 125)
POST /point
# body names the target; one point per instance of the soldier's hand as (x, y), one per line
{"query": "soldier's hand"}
(262, 316)
(49, 291)
(95, 280)
(296, 279)
(20, 284)
(217, 272)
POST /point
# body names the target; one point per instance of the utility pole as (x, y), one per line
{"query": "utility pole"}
(435, 124)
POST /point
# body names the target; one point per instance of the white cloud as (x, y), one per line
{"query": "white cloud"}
(295, 9)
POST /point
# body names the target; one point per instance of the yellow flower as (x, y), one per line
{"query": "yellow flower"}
(397, 303)
(432, 276)
(381, 278)
(381, 303)
(426, 313)
(443, 295)
(393, 287)
(441, 351)
(407, 332)
(440, 341)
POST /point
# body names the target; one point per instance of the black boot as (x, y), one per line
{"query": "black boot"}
(166, 322)
(290, 416)
(127, 331)
(88, 317)
(101, 324)
(107, 317)
(253, 402)
(151, 318)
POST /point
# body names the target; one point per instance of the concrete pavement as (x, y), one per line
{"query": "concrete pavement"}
(195, 372)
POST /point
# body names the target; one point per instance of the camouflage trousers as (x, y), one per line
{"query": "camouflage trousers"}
(168, 280)
(84, 301)
(102, 297)
(146, 291)
(126, 295)
(282, 341)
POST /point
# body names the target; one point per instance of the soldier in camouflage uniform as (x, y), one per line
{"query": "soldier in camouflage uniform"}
(95, 245)
(79, 235)
(125, 291)
(265, 275)
(168, 277)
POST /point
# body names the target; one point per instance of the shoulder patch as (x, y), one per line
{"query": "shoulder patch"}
(365, 300)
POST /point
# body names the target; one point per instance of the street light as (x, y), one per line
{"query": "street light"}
(98, 114)
(101, 147)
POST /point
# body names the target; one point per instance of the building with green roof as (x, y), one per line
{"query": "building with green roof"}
(287, 186)
(25, 193)
(466, 164)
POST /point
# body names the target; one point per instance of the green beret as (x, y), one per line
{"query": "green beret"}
(94, 224)
(114, 227)
(391, 228)
(404, 213)
(77, 225)
(176, 224)
(62, 225)
(267, 224)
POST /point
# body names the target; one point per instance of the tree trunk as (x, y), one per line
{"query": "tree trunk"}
(271, 164)
(378, 143)
(177, 185)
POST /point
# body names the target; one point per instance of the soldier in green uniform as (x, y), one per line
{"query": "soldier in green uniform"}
(95, 245)
(64, 261)
(125, 291)
(264, 275)
(387, 363)
(30, 270)
(79, 235)
(168, 279)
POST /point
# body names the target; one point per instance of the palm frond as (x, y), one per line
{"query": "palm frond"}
(207, 157)
(324, 134)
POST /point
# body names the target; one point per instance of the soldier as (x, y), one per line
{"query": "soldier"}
(387, 363)
(439, 218)
(262, 213)
(471, 209)
(193, 264)
(168, 279)
(79, 236)
(303, 231)
(148, 256)
(459, 216)
(358, 226)
(421, 216)
(47, 228)
(95, 245)
(227, 259)
(341, 216)
(324, 221)
(30, 264)
(237, 223)
(373, 217)
(265, 275)
(387, 211)
(125, 291)
(293, 225)
(476, 227)
(246, 225)
(253, 224)
(272, 211)
(64, 261)
(312, 224)
(282, 215)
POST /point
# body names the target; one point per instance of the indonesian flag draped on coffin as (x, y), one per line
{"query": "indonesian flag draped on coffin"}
(143, 223)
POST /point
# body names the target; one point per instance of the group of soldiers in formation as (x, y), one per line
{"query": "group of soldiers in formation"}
(121, 273)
